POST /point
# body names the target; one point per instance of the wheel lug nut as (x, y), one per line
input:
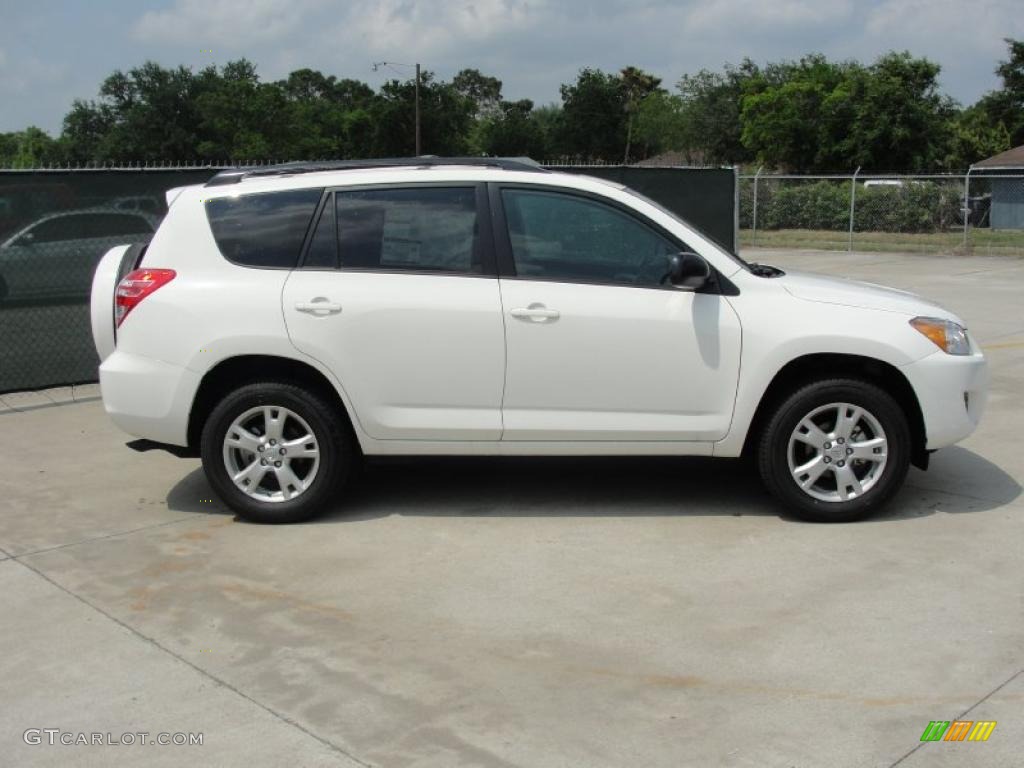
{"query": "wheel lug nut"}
(827, 446)
(282, 451)
(260, 447)
(841, 440)
(273, 442)
(841, 463)
(828, 460)
(277, 463)
(263, 462)
(849, 451)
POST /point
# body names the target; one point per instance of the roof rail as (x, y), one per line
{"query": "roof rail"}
(235, 175)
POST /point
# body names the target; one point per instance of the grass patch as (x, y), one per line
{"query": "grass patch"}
(980, 241)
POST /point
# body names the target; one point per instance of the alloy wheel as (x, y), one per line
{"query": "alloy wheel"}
(837, 452)
(271, 454)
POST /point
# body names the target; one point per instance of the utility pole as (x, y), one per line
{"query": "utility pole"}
(418, 109)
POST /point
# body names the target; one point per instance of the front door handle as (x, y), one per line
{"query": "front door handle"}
(535, 313)
(320, 306)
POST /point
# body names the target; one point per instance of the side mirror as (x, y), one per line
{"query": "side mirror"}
(687, 270)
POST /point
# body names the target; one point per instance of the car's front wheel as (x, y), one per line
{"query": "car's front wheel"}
(276, 452)
(835, 450)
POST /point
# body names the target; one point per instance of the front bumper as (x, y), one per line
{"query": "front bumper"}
(952, 391)
(148, 398)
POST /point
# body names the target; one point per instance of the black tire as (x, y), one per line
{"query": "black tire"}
(773, 461)
(333, 438)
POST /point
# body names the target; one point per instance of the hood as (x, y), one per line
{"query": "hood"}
(854, 293)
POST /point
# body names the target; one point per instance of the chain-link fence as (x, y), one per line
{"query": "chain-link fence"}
(969, 213)
(55, 225)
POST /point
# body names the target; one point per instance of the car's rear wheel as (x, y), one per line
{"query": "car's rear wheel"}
(835, 450)
(275, 452)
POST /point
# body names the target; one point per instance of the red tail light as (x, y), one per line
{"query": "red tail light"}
(134, 287)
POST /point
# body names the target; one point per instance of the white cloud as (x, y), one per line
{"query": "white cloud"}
(415, 27)
(233, 23)
(723, 16)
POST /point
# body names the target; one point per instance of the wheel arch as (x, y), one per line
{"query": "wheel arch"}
(233, 372)
(810, 367)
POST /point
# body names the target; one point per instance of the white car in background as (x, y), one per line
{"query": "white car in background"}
(286, 320)
(55, 256)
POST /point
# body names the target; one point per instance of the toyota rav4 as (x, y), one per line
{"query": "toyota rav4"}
(286, 321)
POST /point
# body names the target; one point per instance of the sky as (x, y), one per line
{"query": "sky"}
(54, 52)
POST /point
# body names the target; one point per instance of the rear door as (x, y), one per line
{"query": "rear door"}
(397, 295)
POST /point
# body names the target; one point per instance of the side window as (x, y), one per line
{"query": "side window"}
(262, 230)
(426, 229)
(557, 236)
(59, 228)
(115, 225)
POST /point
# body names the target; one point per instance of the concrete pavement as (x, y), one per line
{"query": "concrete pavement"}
(555, 612)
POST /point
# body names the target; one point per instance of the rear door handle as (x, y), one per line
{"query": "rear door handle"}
(536, 313)
(319, 306)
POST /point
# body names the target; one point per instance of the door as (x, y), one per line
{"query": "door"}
(597, 347)
(397, 296)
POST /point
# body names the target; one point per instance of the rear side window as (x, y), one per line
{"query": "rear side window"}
(262, 230)
(427, 229)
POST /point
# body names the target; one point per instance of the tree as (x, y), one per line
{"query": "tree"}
(243, 119)
(974, 137)
(637, 85)
(592, 125)
(330, 118)
(482, 92)
(710, 112)
(788, 115)
(445, 118)
(1006, 106)
(513, 131)
(899, 121)
(30, 148)
(817, 115)
(659, 125)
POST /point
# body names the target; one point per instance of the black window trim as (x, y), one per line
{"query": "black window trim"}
(717, 284)
(486, 237)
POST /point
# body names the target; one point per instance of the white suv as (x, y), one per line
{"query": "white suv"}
(286, 321)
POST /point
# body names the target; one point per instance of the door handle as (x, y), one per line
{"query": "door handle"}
(319, 306)
(535, 313)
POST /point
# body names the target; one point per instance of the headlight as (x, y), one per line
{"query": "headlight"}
(947, 335)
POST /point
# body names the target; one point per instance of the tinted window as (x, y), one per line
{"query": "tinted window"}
(323, 250)
(113, 225)
(408, 229)
(263, 230)
(58, 228)
(563, 237)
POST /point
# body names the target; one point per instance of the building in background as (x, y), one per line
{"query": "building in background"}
(1006, 176)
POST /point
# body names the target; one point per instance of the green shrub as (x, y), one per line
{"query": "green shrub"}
(824, 204)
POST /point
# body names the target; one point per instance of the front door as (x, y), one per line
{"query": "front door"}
(598, 348)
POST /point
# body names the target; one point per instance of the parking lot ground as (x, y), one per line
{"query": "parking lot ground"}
(535, 612)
